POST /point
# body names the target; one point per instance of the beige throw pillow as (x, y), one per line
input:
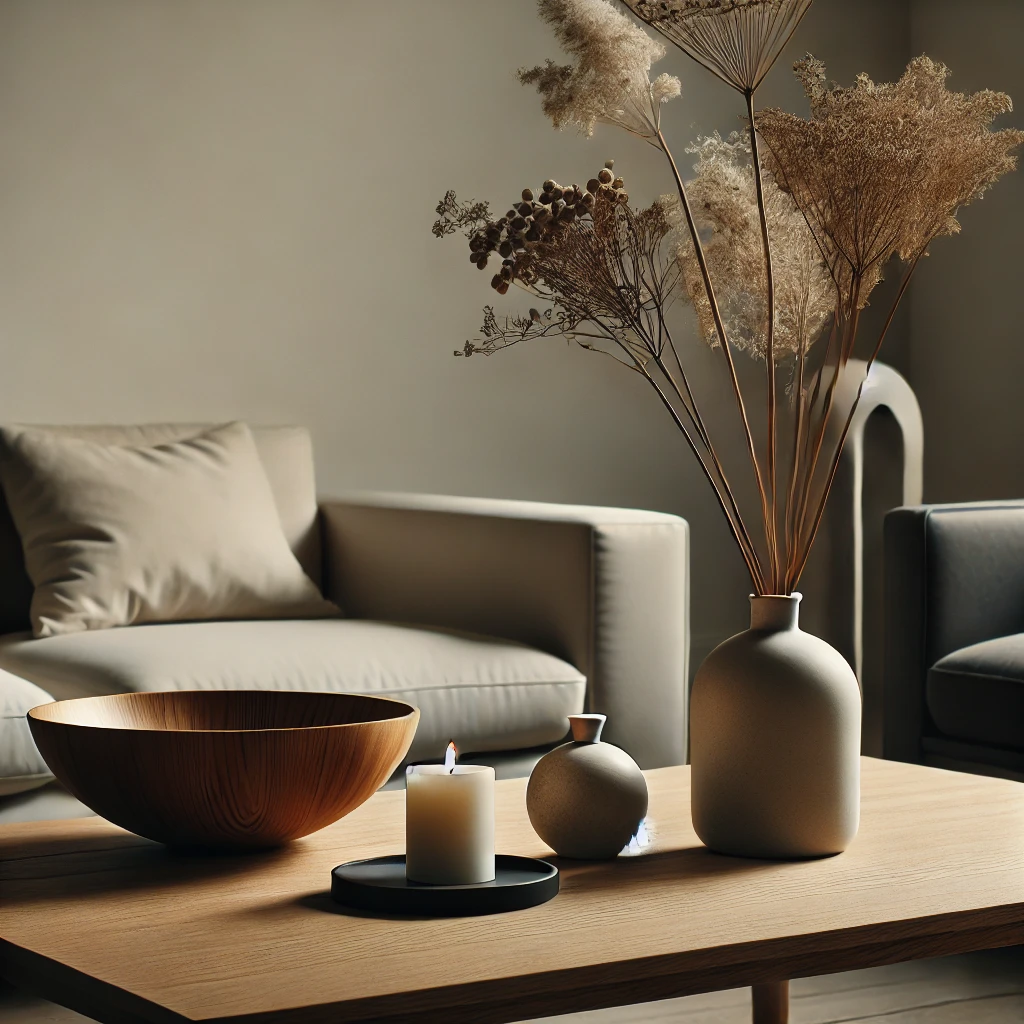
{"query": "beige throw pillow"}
(117, 535)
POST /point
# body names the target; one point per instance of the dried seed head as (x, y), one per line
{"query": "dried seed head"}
(527, 195)
(593, 185)
(604, 176)
(709, 30)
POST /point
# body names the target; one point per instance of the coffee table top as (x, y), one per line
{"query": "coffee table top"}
(119, 928)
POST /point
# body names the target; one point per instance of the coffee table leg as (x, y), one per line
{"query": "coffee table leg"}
(771, 1002)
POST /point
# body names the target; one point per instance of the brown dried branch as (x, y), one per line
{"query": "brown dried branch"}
(609, 272)
(878, 171)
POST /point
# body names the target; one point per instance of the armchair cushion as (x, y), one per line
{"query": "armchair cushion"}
(977, 693)
(954, 578)
(486, 694)
(116, 535)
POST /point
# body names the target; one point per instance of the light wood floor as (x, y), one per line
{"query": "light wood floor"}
(979, 988)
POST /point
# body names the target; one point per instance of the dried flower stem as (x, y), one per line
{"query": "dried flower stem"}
(851, 322)
(797, 571)
(769, 358)
(726, 495)
(723, 337)
(798, 437)
(732, 517)
(717, 478)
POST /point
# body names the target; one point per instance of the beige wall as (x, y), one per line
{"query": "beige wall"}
(967, 350)
(221, 208)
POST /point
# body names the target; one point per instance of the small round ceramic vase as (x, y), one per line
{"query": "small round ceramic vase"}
(586, 799)
(775, 741)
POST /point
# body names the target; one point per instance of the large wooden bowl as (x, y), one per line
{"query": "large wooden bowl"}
(224, 768)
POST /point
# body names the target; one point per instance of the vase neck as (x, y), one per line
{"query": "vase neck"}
(775, 612)
(587, 728)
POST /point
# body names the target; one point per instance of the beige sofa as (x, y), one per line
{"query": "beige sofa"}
(496, 618)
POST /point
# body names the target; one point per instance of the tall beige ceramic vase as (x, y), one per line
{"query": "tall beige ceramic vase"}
(775, 741)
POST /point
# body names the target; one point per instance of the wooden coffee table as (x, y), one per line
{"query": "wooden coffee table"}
(122, 930)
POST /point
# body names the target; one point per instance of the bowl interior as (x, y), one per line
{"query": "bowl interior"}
(222, 710)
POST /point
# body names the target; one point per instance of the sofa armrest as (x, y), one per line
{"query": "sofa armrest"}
(954, 576)
(605, 589)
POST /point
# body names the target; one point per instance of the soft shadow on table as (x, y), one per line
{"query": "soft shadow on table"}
(697, 863)
(622, 874)
(322, 902)
(43, 868)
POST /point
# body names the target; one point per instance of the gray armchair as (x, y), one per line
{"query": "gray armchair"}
(954, 643)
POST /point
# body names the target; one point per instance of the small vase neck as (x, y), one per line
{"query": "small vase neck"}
(775, 613)
(587, 728)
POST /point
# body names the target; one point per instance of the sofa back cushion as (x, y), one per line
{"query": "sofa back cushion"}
(287, 457)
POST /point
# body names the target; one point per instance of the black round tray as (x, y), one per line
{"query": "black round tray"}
(380, 884)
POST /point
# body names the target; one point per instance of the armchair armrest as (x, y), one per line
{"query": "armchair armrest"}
(605, 589)
(954, 576)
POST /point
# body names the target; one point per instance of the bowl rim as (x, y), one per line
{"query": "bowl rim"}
(411, 711)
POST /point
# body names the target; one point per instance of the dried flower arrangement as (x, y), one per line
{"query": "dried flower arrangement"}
(777, 242)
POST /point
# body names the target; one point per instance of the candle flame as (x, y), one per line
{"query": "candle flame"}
(449, 757)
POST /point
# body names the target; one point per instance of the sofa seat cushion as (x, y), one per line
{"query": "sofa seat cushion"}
(484, 693)
(977, 693)
(21, 765)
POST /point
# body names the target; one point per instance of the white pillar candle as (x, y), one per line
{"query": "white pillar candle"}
(449, 823)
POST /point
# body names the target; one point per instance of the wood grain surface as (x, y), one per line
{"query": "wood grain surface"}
(224, 768)
(123, 930)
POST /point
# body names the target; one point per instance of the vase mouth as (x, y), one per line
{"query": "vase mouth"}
(775, 611)
(587, 728)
